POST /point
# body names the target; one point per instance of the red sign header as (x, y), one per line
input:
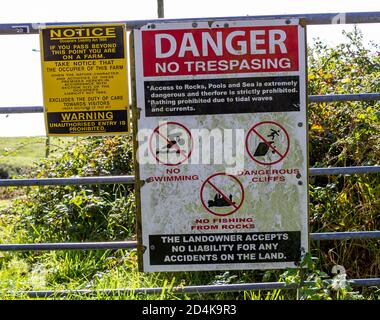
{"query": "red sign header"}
(220, 50)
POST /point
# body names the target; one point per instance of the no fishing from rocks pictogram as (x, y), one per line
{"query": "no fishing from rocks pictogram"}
(222, 194)
(267, 143)
(171, 143)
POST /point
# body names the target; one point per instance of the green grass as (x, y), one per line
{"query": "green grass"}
(95, 271)
(20, 155)
(27, 151)
(21, 151)
(4, 203)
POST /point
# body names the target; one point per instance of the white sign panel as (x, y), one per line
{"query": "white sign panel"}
(222, 145)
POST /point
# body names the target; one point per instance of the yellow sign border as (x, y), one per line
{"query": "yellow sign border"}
(125, 63)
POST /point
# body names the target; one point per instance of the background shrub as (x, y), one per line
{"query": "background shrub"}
(83, 212)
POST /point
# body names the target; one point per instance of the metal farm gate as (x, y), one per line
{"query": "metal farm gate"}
(309, 19)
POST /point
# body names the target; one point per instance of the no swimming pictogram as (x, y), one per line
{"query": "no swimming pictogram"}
(171, 143)
(222, 194)
(267, 143)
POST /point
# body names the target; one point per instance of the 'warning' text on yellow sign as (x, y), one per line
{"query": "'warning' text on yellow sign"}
(85, 80)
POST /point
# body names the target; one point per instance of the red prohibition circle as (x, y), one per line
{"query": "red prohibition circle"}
(217, 190)
(156, 130)
(252, 130)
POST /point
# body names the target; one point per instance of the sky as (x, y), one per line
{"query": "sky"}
(20, 65)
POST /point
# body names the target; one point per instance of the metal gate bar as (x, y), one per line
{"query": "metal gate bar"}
(67, 181)
(311, 98)
(191, 289)
(131, 179)
(344, 97)
(133, 244)
(309, 19)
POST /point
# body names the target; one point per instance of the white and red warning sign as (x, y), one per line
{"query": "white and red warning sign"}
(171, 143)
(222, 145)
(222, 194)
(267, 143)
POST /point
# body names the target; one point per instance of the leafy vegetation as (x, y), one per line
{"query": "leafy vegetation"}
(20, 155)
(340, 134)
(345, 134)
(81, 213)
(21, 151)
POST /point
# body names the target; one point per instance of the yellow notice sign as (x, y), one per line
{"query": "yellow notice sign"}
(85, 80)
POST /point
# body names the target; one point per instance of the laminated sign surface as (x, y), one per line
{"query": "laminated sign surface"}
(222, 145)
(85, 80)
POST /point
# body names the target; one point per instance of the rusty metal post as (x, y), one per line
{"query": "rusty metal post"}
(160, 8)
